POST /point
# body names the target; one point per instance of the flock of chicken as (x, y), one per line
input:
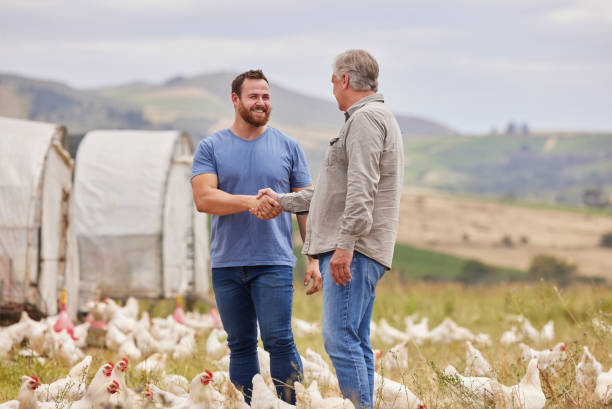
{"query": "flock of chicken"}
(153, 341)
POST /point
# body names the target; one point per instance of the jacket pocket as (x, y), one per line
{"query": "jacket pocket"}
(336, 154)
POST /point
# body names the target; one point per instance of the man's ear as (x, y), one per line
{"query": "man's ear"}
(345, 81)
(235, 99)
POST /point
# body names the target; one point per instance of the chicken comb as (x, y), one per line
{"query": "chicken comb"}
(125, 359)
(206, 381)
(116, 383)
(563, 347)
(111, 364)
(35, 378)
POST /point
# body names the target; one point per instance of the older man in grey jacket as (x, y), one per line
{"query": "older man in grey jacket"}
(353, 218)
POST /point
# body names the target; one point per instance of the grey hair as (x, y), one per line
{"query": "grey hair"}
(360, 67)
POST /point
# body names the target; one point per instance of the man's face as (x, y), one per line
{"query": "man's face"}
(253, 105)
(337, 83)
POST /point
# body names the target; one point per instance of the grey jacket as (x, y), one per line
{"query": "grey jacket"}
(355, 202)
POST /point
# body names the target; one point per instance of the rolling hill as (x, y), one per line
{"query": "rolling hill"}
(552, 168)
(198, 105)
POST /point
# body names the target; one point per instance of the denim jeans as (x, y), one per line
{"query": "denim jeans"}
(246, 295)
(347, 311)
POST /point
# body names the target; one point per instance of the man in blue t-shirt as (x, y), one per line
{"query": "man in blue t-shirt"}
(252, 260)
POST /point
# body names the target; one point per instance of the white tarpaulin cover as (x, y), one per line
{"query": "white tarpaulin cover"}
(38, 254)
(137, 228)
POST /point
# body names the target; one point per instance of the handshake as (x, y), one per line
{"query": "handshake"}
(265, 205)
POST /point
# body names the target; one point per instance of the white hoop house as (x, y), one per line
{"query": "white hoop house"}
(137, 228)
(38, 254)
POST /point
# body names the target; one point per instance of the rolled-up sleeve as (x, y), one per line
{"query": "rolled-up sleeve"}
(364, 146)
(297, 202)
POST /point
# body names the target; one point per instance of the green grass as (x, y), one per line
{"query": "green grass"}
(480, 309)
(414, 263)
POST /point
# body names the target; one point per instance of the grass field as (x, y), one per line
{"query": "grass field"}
(480, 309)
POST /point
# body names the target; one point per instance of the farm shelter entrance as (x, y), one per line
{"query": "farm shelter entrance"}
(137, 228)
(38, 254)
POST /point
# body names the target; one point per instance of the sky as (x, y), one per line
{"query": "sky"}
(470, 64)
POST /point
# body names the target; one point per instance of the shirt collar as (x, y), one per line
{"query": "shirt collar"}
(378, 97)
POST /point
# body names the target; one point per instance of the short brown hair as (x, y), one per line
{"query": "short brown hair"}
(250, 74)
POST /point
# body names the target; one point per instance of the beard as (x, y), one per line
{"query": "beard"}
(249, 115)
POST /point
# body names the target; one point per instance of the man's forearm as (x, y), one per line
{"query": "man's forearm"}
(220, 203)
(296, 202)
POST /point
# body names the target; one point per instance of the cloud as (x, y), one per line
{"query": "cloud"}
(582, 12)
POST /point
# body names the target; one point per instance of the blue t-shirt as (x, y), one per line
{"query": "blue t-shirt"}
(243, 167)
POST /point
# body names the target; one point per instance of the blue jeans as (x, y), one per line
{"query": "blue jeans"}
(249, 294)
(347, 311)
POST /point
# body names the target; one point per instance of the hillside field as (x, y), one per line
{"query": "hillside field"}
(504, 235)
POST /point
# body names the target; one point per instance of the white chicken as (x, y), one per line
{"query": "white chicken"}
(154, 363)
(144, 340)
(475, 363)
(72, 387)
(234, 399)
(264, 398)
(388, 334)
(215, 348)
(527, 394)
(202, 394)
(548, 331)
(26, 398)
(316, 358)
(322, 375)
(549, 358)
(309, 399)
(394, 360)
(587, 370)
(65, 348)
(124, 397)
(101, 377)
(480, 389)
(185, 347)
(449, 331)
(6, 344)
(303, 328)
(176, 384)
(165, 398)
(389, 394)
(417, 332)
(129, 349)
(98, 398)
(131, 308)
(603, 389)
(511, 337)
(114, 337)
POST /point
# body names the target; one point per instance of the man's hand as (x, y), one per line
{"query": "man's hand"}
(340, 266)
(267, 207)
(313, 274)
(267, 192)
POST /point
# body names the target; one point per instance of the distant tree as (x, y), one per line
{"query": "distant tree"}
(507, 241)
(606, 240)
(594, 197)
(474, 271)
(550, 268)
(511, 128)
(525, 129)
